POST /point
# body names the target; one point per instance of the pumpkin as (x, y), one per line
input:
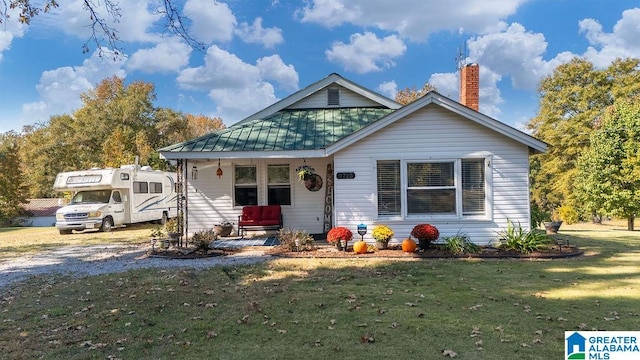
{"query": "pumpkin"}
(360, 247)
(409, 245)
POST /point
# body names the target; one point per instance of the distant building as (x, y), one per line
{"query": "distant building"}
(39, 212)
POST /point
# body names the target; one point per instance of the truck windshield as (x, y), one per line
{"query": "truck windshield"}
(93, 196)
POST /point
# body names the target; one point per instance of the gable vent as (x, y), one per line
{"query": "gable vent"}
(333, 97)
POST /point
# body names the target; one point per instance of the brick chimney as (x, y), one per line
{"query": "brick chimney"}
(470, 86)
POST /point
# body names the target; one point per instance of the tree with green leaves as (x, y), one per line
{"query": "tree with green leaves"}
(572, 100)
(116, 124)
(608, 178)
(13, 192)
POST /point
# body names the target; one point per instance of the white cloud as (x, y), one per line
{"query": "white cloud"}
(221, 69)
(412, 19)
(60, 89)
(446, 84)
(605, 47)
(135, 23)
(11, 29)
(253, 99)
(388, 89)
(256, 34)
(237, 88)
(366, 53)
(6, 37)
(169, 56)
(513, 52)
(273, 68)
(212, 21)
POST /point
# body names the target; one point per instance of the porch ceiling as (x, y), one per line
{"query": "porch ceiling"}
(286, 130)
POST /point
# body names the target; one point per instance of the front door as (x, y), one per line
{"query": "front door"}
(117, 208)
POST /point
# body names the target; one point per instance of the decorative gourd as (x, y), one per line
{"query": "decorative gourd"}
(409, 245)
(360, 247)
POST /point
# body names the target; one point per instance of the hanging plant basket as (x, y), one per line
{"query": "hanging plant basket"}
(304, 171)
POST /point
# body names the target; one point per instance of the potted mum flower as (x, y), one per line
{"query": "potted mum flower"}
(339, 236)
(382, 234)
(425, 233)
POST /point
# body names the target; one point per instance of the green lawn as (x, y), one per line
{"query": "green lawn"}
(331, 308)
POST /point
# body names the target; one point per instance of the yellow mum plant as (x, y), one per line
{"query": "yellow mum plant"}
(382, 233)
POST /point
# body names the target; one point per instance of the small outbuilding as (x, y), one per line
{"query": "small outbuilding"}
(39, 212)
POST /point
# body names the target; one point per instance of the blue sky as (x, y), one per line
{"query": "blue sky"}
(260, 51)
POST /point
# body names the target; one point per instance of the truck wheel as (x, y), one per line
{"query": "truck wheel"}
(106, 224)
(65, 232)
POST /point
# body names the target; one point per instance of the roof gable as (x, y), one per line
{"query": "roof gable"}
(433, 97)
(315, 88)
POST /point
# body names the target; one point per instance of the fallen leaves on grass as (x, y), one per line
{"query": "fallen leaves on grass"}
(367, 338)
(449, 353)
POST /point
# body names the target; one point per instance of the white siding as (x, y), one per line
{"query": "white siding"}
(434, 133)
(318, 100)
(210, 199)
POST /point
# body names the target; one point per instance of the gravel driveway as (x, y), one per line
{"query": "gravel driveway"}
(104, 259)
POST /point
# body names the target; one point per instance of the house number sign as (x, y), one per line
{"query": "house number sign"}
(346, 175)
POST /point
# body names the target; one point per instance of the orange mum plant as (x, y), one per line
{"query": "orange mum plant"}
(339, 233)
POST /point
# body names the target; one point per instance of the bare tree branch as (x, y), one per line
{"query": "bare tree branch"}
(102, 34)
(99, 23)
(175, 24)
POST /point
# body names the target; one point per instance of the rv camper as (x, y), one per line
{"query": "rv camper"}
(104, 198)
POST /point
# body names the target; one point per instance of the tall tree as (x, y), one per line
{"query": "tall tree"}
(409, 95)
(13, 191)
(48, 149)
(199, 125)
(609, 171)
(116, 124)
(572, 100)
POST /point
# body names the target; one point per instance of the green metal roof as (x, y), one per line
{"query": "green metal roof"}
(286, 130)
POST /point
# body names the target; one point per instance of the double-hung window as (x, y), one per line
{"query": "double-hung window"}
(246, 185)
(415, 188)
(431, 188)
(389, 189)
(278, 185)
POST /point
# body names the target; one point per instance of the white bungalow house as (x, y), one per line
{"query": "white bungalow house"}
(433, 161)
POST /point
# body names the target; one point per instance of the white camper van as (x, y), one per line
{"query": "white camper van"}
(104, 198)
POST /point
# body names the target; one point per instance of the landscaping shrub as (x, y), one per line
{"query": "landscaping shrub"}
(295, 240)
(568, 214)
(460, 243)
(202, 239)
(518, 239)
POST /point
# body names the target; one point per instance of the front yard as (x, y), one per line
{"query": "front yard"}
(341, 308)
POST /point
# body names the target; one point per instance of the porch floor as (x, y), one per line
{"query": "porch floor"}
(240, 242)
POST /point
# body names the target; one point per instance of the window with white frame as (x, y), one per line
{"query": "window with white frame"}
(245, 185)
(473, 187)
(431, 188)
(278, 185)
(389, 191)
